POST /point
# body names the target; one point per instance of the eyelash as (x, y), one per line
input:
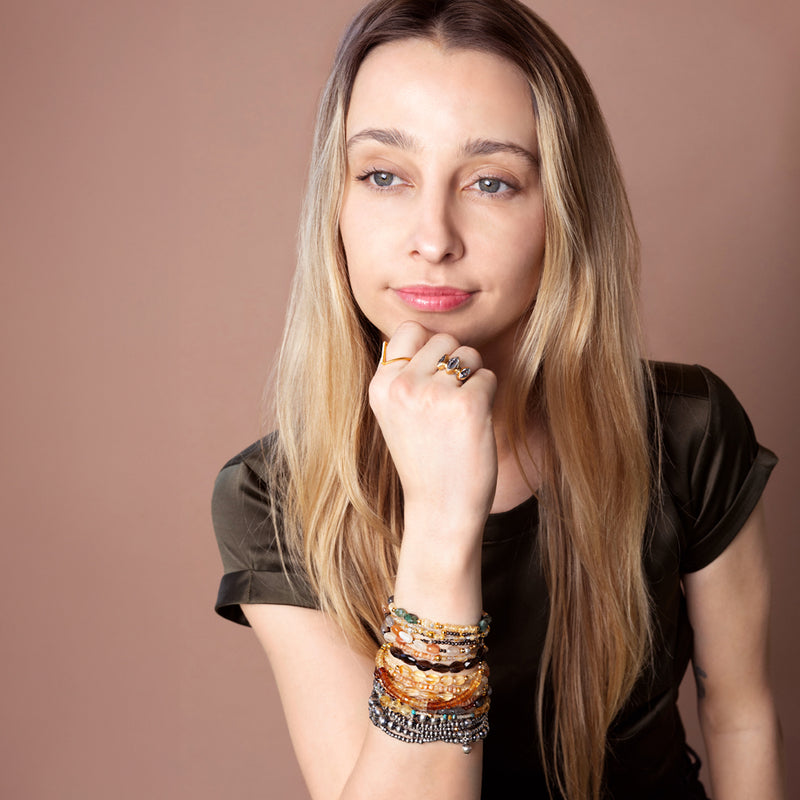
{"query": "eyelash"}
(510, 187)
(368, 173)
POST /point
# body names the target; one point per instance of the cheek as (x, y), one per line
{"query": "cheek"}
(346, 229)
(517, 249)
(356, 245)
(533, 269)
(360, 239)
(352, 243)
(526, 270)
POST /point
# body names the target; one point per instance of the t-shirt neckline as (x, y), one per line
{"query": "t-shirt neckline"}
(514, 522)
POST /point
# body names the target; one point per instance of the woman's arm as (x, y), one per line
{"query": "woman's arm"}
(324, 688)
(441, 439)
(728, 604)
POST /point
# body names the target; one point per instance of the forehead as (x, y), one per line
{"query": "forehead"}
(437, 92)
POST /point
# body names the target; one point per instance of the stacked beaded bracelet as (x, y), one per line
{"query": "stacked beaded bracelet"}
(440, 628)
(402, 684)
(431, 681)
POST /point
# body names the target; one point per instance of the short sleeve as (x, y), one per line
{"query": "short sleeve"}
(724, 469)
(254, 572)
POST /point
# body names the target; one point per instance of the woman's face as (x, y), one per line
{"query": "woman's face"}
(442, 218)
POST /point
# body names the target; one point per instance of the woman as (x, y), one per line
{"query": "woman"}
(510, 451)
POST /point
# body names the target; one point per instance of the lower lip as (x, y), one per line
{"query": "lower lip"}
(426, 299)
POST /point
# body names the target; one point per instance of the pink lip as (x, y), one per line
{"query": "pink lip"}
(433, 298)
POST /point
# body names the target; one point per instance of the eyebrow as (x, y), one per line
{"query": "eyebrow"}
(392, 137)
(388, 136)
(488, 147)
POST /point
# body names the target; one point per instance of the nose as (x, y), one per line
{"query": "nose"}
(436, 236)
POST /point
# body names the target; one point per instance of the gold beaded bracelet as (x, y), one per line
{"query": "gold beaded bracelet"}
(415, 695)
(411, 676)
(436, 703)
(409, 711)
(431, 628)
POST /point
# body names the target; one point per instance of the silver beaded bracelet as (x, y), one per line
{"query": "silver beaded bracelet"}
(457, 726)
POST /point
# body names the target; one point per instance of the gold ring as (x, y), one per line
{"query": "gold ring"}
(385, 361)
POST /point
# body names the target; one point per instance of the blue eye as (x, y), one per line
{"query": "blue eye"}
(490, 185)
(383, 179)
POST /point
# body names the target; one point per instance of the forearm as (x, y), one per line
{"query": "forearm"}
(728, 604)
(438, 578)
(745, 750)
(388, 769)
(430, 684)
(439, 569)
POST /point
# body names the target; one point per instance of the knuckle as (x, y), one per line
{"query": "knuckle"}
(408, 326)
(376, 390)
(461, 405)
(490, 380)
(465, 413)
(401, 390)
(470, 356)
(447, 342)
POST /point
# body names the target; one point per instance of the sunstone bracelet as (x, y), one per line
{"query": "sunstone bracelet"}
(429, 702)
(414, 677)
(438, 646)
(435, 650)
(431, 682)
(427, 698)
(408, 675)
(441, 666)
(481, 706)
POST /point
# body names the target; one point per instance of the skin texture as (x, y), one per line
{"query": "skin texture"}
(453, 213)
(728, 604)
(416, 213)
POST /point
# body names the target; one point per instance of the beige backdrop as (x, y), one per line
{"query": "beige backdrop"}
(151, 163)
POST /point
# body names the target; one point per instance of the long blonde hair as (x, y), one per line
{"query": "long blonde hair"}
(578, 365)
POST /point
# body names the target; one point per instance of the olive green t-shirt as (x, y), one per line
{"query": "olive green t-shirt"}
(713, 473)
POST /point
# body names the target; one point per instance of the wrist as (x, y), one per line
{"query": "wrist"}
(443, 589)
(452, 526)
(439, 568)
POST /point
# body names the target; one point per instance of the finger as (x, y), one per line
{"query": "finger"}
(437, 345)
(386, 360)
(462, 363)
(405, 342)
(483, 381)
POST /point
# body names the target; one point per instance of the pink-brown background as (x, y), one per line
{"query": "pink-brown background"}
(152, 157)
